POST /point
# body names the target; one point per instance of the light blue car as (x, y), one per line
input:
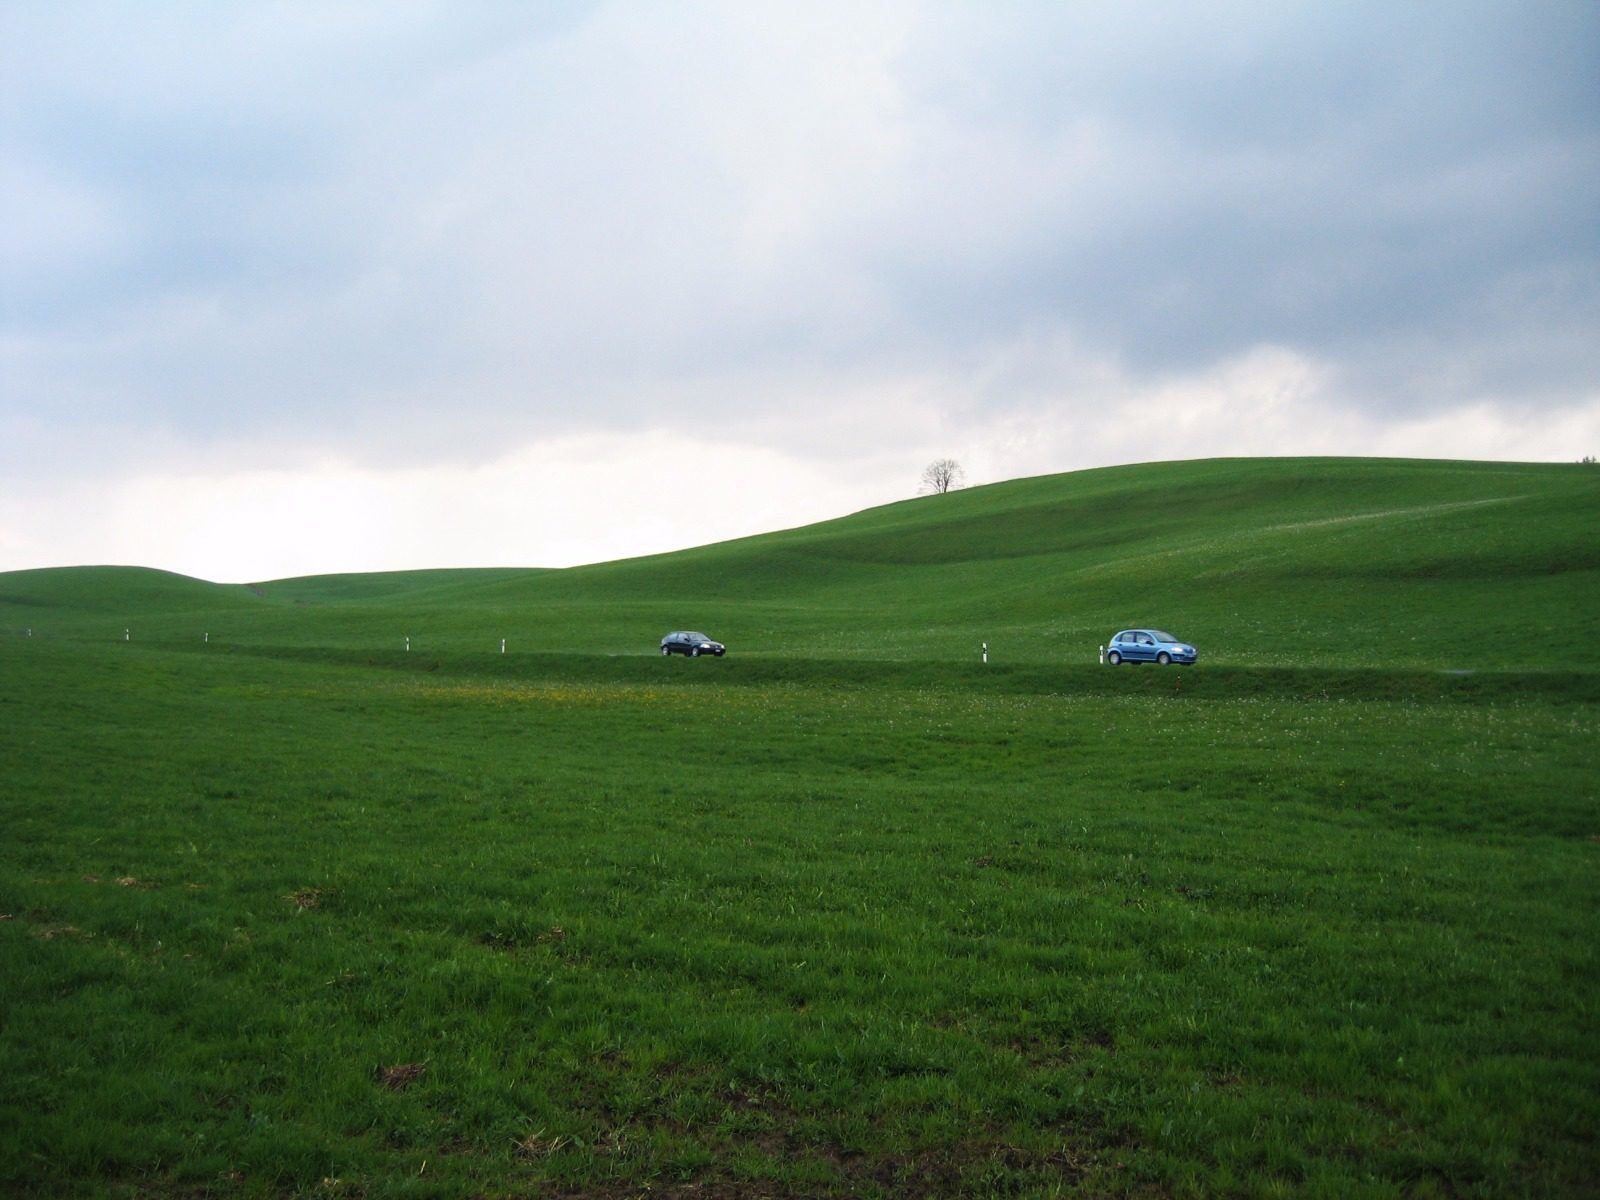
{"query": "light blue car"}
(1148, 645)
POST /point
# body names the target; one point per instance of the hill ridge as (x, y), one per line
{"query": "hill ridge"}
(1274, 561)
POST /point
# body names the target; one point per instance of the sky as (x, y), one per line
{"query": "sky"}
(291, 288)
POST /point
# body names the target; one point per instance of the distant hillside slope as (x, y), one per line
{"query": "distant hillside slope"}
(1344, 561)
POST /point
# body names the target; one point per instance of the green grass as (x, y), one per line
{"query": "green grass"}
(1273, 562)
(845, 913)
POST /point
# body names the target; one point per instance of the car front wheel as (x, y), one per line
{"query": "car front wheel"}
(1114, 658)
(694, 652)
(1164, 658)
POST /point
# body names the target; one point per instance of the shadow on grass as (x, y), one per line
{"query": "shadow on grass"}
(1201, 682)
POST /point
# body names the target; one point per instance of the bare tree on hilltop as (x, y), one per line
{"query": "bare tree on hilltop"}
(941, 475)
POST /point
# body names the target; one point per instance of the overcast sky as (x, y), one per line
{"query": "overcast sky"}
(293, 288)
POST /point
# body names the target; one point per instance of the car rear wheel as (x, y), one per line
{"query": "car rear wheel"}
(666, 652)
(1114, 658)
(1163, 658)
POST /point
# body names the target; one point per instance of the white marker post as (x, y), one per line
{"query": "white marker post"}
(1102, 656)
(208, 639)
(986, 652)
(127, 635)
(502, 645)
(408, 642)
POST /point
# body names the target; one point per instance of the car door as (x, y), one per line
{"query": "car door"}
(1144, 647)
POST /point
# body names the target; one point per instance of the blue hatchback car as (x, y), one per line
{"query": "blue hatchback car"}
(1148, 645)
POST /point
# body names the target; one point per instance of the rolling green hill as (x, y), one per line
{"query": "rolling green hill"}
(1342, 562)
(293, 912)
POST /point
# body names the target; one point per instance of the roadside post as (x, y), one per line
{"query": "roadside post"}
(986, 652)
(502, 645)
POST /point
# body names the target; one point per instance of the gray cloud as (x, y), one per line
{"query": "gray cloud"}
(1347, 185)
(408, 229)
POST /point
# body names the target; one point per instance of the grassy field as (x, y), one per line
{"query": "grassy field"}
(295, 911)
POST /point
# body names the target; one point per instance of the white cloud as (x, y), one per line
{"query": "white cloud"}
(553, 503)
(585, 498)
(1270, 401)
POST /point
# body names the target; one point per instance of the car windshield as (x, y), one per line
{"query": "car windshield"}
(696, 637)
(1160, 636)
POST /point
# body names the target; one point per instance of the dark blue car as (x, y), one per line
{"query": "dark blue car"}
(693, 644)
(1148, 645)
